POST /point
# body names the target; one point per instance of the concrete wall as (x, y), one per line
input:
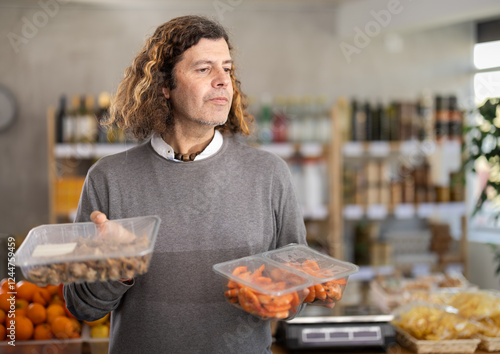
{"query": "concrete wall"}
(50, 47)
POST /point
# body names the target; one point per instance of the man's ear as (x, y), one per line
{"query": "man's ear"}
(166, 92)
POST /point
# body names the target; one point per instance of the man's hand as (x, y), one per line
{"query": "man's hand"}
(109, 229)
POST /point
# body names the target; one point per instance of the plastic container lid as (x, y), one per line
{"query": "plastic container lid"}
(294, 256)
(293, 281)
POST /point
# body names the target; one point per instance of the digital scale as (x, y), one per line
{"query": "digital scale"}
(352, 326)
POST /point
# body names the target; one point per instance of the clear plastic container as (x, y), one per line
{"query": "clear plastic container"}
(272, 285)
(328, 275)
(78, 252)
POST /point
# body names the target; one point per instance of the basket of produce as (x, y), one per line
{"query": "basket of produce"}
(431, 328)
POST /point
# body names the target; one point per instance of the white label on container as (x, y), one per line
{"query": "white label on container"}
(53, 250)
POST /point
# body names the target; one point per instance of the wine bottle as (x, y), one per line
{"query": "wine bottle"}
(59, 121)
(441, 118)
(368, 121)
(103, 103)
(455, 119)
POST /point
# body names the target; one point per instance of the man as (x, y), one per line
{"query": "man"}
(218, 199)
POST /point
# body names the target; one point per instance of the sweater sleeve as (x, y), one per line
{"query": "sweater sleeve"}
(91, 301)
(290, 227)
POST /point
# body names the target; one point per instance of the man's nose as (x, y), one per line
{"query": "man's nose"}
(222, 78)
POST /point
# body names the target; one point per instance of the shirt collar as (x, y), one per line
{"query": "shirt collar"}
(165, 150)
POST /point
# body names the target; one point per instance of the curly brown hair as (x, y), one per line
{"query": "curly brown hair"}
(140, 106)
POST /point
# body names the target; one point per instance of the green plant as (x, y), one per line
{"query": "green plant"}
(483, 147)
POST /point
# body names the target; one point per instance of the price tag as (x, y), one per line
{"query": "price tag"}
(352, 149)
(426, 210)
(404, 211)
(379, 148)
(376, 212)
(353, 212)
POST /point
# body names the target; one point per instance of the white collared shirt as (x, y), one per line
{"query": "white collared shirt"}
(166, 151)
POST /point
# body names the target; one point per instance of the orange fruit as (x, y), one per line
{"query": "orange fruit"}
(53, 311)
(43, 331)
(76, 325)
(4, 285)
(20, 312)
(3, 315)
(56, 299)
(3, 332)
(26, 290)
(22, 304)
(4, 301)
(24, 327)
(62, 327)
(36, 313)
(42, 296)
(53, 289)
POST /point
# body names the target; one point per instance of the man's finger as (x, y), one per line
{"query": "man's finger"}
(98, 217)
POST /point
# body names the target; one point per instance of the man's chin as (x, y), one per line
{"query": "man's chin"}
(212, 123)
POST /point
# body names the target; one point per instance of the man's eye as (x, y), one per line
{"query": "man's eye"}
(203, 70)
(228, 70)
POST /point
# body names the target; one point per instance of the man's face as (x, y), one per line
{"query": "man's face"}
(204, 90)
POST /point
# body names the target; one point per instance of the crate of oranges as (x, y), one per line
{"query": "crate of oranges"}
(35, 319)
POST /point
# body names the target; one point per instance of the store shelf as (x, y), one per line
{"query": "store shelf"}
(88, 151)
(286, 150)
(403, 211)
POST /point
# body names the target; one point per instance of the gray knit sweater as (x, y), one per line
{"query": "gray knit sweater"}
(238, 202)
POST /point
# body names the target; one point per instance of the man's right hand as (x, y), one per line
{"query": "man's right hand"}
(111, 230)
(107, 229)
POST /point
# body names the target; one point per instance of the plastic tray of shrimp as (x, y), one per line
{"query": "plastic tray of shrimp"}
(273, 285)
(328, 275)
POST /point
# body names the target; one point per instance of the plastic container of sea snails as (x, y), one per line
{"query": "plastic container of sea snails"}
(85, 252)
(272, 285)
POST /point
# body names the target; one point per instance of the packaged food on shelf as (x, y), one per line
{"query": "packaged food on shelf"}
(272, 285)
(392, 290)
(78, 252)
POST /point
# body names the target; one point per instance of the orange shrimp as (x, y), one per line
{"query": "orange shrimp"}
(341, 281)
(334, 292)
(320, 292)
(310, 264)
(231, 293)
(239, 270)
(249, 300)
(258, 273)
